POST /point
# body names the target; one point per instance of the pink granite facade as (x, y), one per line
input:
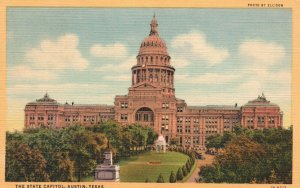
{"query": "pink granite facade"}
(151, 102)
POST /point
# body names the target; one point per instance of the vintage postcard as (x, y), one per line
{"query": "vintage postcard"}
(149, 94)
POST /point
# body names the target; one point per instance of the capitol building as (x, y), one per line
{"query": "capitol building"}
(151, 101)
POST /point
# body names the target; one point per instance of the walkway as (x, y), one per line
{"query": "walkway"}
(208, 160)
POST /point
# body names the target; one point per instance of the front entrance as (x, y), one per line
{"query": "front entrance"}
(144, 116)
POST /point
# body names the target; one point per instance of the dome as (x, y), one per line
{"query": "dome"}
(153, 44)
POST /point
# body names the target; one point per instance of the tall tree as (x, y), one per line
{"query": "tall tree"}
(84, 146)
(24, 163)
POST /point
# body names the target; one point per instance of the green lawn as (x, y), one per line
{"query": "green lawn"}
(137, 168)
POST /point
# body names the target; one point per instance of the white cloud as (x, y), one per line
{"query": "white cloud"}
(116, 50)
(195, 44)
(60, 54)
(23, 72)
(122, 67)
(178, 62)
(207, 78)
(261, 53)
(59, 89)
(120, 78)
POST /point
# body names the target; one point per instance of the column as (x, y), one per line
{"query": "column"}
(45, 118)
(255, 121)
(266, 121)
(245, 122)
(36, 119)
(222, 125)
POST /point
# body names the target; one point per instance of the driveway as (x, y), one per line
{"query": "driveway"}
(208, 160)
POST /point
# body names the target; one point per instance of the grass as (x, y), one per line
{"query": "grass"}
(138, 169)
(88, 179)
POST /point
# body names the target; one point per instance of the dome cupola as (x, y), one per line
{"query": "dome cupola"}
(153, 63)
(153, 44)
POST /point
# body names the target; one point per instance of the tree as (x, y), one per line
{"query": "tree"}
(147, 180)
(273, 177)
(214, 141)
(249, 155)
(174, 141)
(160, 179)
(126, 143)
(24, 163)
(208, 174)
(172, 178)
(113, 132)
(184, 170)
(62, 167)
(84, 146)
(188, 166)
(179, 174)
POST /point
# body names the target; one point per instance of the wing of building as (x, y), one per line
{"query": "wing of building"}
(151, 102)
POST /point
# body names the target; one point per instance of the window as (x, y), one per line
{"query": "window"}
(167, 127)
(187, 140)
(40, 117)
(196, 120)
(271, 120)
(179, 128)
(75, 118)
(196, 140)
(187, 120)
(250, 119)
(165, 105)
(179, 120)
(146, 117)
(188, 129)
(165, 118)
(124, 105)
(67, 119)
(180, 109)
(50, 117)
(260, 119)
(196, 129)
(31, 117)
(124, 117)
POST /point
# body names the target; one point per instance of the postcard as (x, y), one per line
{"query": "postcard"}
(149, 94)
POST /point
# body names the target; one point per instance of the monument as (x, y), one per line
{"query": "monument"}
(107, 171)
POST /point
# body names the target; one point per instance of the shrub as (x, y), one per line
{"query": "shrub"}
(184, 170)
(172, 178)
(160, 179)
(179, 174)
(188, 166)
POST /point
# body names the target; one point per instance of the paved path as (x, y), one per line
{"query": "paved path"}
(208, 160)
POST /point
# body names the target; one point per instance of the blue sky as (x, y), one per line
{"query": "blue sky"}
(221, 56)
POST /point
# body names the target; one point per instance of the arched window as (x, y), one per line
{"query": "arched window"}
(151, 59)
